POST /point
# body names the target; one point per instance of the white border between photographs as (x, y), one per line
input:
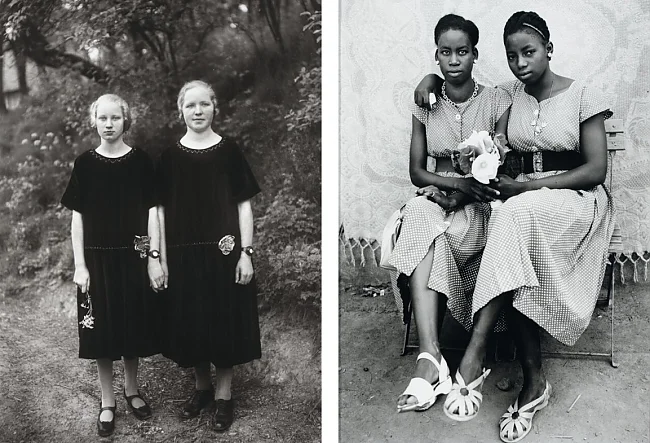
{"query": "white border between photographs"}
(330, 221)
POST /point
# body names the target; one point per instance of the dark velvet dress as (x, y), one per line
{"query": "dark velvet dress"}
(114, 196)
(208, 317)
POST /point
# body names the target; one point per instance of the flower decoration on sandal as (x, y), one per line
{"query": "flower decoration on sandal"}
(464, 400)
(141, 244)
(517, 422)
(227, 244)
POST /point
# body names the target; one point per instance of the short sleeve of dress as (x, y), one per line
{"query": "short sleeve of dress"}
(72, 198)
(420, 113)
(509, 87)
(503, 101)
(149, 194)
(242, 181)
(592, 102)
(161, 179)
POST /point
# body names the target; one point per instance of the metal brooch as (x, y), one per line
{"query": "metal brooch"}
(141, 244)
(227, 244)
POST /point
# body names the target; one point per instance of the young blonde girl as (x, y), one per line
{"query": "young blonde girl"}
(111, 195)
(206, 184)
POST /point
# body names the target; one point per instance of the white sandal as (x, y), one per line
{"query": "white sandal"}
(425, 392)
(464, 401)
(520, 420)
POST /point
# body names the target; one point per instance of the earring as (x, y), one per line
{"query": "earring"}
(474, 61)
(549, 56)
(437, 62)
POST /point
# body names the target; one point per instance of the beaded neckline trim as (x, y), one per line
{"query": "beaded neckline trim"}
(200, 151)
(111, 159)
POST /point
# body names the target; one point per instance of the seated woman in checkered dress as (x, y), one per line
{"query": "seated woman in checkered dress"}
(439, 250)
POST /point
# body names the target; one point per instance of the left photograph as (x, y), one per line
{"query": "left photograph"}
(160, 207)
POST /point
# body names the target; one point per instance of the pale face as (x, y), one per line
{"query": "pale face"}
(109, 120)
(198, 110)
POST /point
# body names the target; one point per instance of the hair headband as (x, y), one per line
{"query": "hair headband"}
(532, 27)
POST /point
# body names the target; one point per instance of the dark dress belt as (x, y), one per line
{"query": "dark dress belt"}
(543, 161)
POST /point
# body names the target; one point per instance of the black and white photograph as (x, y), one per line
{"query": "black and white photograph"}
(494, 229)
(160, 220)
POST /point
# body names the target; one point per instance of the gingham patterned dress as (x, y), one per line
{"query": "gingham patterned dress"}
(458, 237)
(549, 245)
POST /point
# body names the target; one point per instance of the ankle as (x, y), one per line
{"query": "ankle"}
(222, 395)
(433, 349)
(108, 400)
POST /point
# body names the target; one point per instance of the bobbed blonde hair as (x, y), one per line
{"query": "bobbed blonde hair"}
(195, 84)
(124, 106)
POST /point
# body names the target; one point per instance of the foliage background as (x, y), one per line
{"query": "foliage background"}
(262, 58)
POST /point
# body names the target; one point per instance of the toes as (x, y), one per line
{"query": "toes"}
(405, 400)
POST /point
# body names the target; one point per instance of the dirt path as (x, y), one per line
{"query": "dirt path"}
(47, 394)
(613, 406)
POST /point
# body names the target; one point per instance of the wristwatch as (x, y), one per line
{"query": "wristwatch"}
(248, 250)
(154, 254)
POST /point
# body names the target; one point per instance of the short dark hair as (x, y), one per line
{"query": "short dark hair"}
(527, 21)
(453, 21)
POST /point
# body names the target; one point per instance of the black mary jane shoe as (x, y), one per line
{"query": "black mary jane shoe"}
(198, 401)
(141, 413)
(223, 416)
(105, 428)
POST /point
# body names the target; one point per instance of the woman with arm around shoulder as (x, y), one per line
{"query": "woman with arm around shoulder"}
(544, 258)
(111, 195)
(440, 243)
(211, 312)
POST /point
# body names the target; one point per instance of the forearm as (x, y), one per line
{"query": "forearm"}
(583, 177)
(160, 212)
(77, 235)
(245, 223)
(422, 178)
(153, 231)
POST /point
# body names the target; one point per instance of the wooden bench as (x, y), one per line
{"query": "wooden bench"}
(615, 143)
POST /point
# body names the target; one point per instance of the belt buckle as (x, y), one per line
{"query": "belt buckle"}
(538, 163)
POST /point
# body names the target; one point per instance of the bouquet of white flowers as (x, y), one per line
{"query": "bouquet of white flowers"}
(480, 155)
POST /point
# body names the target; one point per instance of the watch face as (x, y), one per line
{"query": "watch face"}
(154, 254)
(248, 250)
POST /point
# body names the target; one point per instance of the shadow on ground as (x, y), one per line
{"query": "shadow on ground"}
(614, 404)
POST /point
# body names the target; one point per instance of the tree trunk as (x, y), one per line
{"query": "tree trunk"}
(272, 14)
(3, 105)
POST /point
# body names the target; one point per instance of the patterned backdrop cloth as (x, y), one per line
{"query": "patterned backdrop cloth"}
(386, 48)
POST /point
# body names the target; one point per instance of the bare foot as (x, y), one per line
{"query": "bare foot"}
(470, 368)
(532, 389)
(423, 369)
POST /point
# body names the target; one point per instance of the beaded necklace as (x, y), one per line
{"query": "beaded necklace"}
(456, 105)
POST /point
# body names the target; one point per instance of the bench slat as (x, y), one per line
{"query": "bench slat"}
(614, 126)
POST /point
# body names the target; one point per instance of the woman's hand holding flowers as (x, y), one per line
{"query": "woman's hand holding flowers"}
(507, 186)
(82, 278)
(476, 190)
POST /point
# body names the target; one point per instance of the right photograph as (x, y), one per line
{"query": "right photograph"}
(494, 221)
